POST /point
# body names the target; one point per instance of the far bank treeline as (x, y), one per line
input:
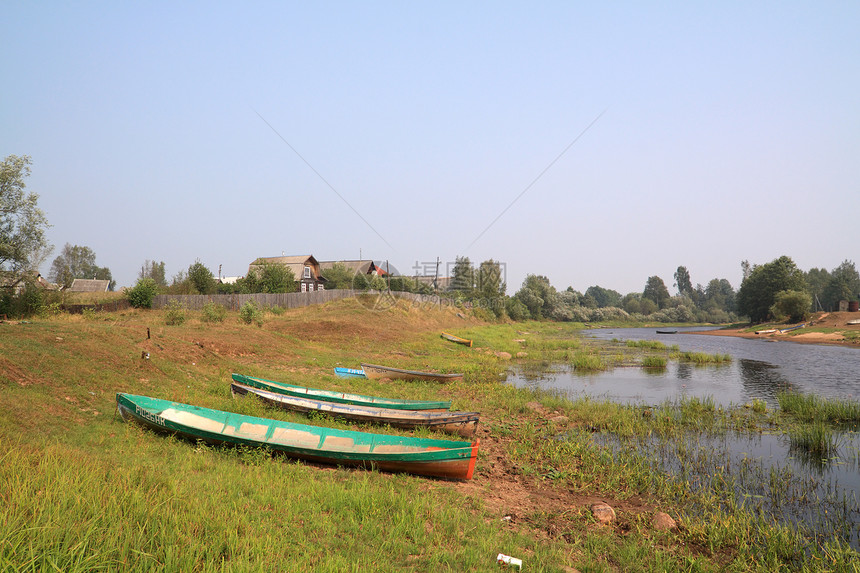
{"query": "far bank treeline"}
(777, 290)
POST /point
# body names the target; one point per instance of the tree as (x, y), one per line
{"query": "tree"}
(463, 276)
(273, 277)
(23, 245)
(201, 278)
(490, 284)
(338, 277)
(603, 297)
(490, 287)
(758, 290)
(268, 277)
(154, 271)
(683, 282)
(656, 291)
(791, 304)
(631, 303)
(718, 295)
(77, 262)
(142, 294)
(843, 284)
(539, 297)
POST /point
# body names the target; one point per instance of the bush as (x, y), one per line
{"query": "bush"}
(213, 312)
(517, 310)
(142, 294)
(174, 313)
(791, 304)
(250, 312)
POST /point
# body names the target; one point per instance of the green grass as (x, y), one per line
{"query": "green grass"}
(654, 361)
(816, 439)
(810, 408)
(80, 490)
(704, 358)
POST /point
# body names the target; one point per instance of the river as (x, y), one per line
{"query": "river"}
(759, 368)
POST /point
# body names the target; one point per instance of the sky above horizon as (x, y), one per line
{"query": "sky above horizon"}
(593, 143)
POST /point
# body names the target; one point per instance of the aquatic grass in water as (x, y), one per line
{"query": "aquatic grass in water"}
(704, 358)
(816, 439)
(586, 361)
(809, 407)
(652, 344)
(654, 361)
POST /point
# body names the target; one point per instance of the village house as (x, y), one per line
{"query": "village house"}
(17, 284)
(306, 270)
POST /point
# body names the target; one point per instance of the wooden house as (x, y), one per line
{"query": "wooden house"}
(306, 270)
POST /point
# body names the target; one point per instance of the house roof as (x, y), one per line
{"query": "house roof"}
(296, 264)
(89, 285)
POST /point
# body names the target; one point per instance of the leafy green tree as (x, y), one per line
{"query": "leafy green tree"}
(791, 304)
(153, 270)
(490, 288)
(267, 278)
(377, 283)
(603, 297)
(758, 290)
(180, 284)
(539, 297)
(77, 262)
(338, 277)
(843, 284)
(718, 295)
(490, 284)
(632, 303)
(656, 291)
(516, 310)
(401, 284)
(683, 282)
(816, 282)
(272, 278)
(463, 276)
(142, 294)
(647, 306)
(201, 278)
(23, 245)
(360, 281)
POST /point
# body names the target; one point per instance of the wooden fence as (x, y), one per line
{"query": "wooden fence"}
(284, 300)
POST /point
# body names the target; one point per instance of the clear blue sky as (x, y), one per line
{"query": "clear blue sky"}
(729, 131)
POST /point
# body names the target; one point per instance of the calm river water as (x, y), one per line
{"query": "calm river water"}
(759, 369)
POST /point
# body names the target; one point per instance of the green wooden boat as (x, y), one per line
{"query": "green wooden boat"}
(462, 423)
(422, 456)
(340, 397)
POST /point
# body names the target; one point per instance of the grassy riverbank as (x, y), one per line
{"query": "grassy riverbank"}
(82, 491)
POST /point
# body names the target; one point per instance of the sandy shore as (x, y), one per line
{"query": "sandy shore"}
(836, 324)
